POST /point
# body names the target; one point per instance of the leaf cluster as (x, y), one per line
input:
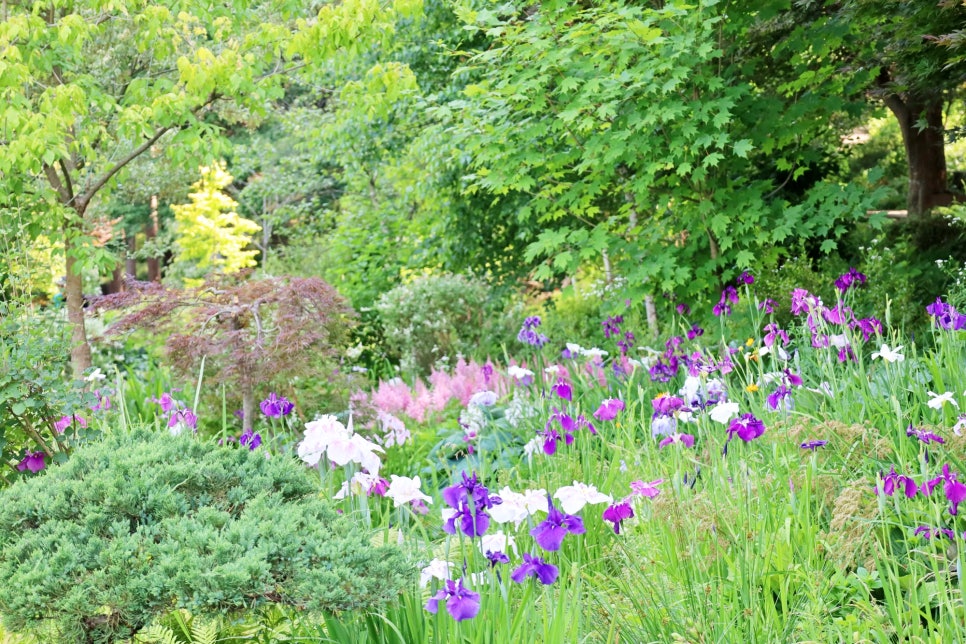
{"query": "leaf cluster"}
(144, 523)
(247, 331)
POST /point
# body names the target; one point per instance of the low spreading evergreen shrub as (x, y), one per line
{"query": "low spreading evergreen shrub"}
(140, 524)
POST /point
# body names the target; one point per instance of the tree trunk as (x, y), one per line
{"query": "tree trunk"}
(115, 284)
(248, 408)
(921, 123)
(80, 350)
(131, 264)
(151, 231)
(651, 312)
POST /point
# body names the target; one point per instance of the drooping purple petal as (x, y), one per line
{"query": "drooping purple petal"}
(617, 513)
(535, 566)
(550, 533)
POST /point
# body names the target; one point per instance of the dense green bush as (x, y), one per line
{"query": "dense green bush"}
(432, 317)
(140, 524)
(36, 390)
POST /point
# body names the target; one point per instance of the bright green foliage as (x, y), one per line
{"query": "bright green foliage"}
(209, 231)
(87, 87)
(630, 133)
(432, 317)
(144, 523)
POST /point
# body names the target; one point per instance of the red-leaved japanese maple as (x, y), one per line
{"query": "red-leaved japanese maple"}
(248, 331)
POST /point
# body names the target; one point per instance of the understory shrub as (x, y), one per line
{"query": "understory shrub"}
(433, 317)
(141, 524)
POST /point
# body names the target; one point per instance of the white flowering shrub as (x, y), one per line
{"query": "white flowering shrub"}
(433, 317)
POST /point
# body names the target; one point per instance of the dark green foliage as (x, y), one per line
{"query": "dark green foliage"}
(141, 524)
(432, 317)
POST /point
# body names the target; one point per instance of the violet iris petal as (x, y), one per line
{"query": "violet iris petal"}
(537, 567)
(617, 513)
(461, 603)
(550, 533)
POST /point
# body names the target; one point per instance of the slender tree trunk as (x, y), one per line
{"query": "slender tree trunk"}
(921, 123)
(651, 312)
(248, 408)
(131, 264)
(80, 349)
(116, 283)
(151, 231)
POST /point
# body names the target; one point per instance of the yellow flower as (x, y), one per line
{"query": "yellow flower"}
(752, 388)
(749, 342)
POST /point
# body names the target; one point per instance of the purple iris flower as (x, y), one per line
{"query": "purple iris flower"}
(664, 369)
(528, 333)
(772, 333)
(869, 327)
(550, 439)
(184, 417)
(846, 353)
(747, 427)
(694, 332)
(768, 306)
(67, 421)
(954, 490)
(685, 439)
(537, 567)
(924, 436)
(609, 409)
(166, 402)
(250, 440)
(551, 436)
(849, 279)
(33, 461)
(549, 534)
(418, 506)
(946, 316)
(471, 500)
(666, 405)
(461, 602)
(729, 294)
(563, 390)
(781, 397)
(626, 343)
(813, 445)
(892, 481)
(746, 278)
(497, 557)
(838, 314)
(955, 494)
(276, 406)
(683, 309)
(379, 488)
(802, 301)
(934, 533)
(612, 325)
(617, 513)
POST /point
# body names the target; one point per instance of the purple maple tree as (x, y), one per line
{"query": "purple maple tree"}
(247, 331)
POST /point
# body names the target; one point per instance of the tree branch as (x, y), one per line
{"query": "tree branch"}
(69, 186)
(136, 152)
(54, 180)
